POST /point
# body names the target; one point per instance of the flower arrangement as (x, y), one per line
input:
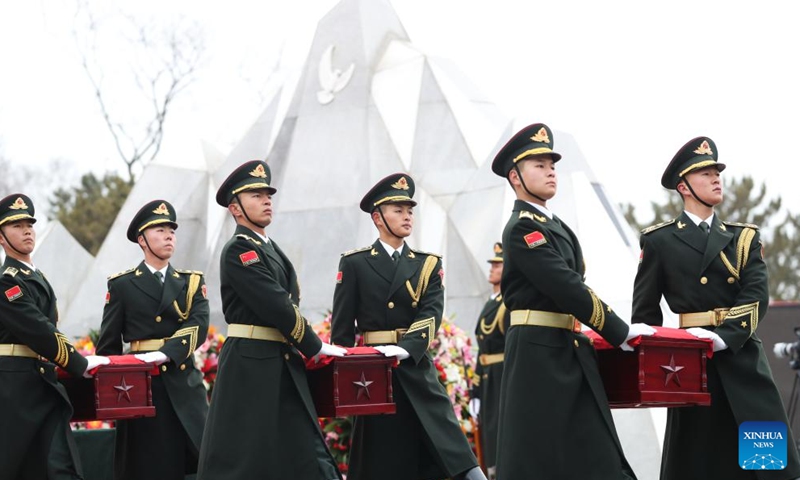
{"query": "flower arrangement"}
(206, 357)
(453, 358)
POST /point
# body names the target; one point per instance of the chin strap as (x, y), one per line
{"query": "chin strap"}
(686, 181)
(385, 224)
(9, 242)
(148, 247)
(525, 187)
(244, 211)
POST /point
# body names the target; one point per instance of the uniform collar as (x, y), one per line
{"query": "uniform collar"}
(542, 209)
(153, 269)
(697, 219)
(390, 249)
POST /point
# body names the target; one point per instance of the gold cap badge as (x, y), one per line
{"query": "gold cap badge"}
(161, 210)
(541, 136)
(704, 149)
(19, 204)
(401, 184)
(258, 172)
(498, 249)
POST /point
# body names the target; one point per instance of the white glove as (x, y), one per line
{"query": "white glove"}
(719, 343)
(331, 350)
(393, 351)
(636, 330)
(474, 407)
(152, 357)
(94, 361)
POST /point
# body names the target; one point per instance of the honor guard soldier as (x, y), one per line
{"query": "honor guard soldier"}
(163, 313)
(35, 410)
(551, 382)
(262, 423)
(395, 295)
(712, 274)
(491, 336)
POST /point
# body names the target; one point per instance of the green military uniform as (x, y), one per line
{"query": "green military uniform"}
(404, 299)
(490, 332)
(172, 318)
(262, 423)
(699, 272)
(36, 442)
(555, 422)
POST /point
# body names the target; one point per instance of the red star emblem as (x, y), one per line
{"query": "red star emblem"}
(123, 389)
(363, 387)
(671, 371)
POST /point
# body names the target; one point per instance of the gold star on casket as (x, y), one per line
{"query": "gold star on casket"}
(123, 389)
(363, 387)
(672, 371)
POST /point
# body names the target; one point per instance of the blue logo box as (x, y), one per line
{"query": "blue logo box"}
(762, 446)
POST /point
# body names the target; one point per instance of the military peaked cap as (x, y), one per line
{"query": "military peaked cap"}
(16, 207)
(252, 175)
(531, 141)
(396, 188)
(156, 212)
(498, 253)
(700, 152)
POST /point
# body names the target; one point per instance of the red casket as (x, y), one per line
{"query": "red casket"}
(665, 370)
(116, 392)
(352, 385)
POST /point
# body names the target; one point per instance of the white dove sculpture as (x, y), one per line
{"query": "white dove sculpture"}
(331, 80)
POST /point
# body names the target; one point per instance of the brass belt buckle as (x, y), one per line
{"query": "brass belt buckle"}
(719, 316)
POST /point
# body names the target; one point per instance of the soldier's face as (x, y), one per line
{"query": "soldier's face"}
(495, 272)
(539, 174)
(21, 235)
(161, 240)
(706, 183)
(258, 204)
(399, 217)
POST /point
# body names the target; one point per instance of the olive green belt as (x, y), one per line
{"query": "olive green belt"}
(255, 332)
(381, 337)
(711, 318)
(491, 358)
(545, 319)
(147, 345)
(16, 350)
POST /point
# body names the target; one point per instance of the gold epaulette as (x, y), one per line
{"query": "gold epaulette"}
(189, 272)
(11, 272)
(356, 250)
(653, 228)
(125, 272)
(420, 252)
(743, 225)
(248, 237)
(532, 216)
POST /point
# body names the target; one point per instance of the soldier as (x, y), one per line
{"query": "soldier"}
(713, 275)
(552, 395)
(163, 313)
(491, 335)
(262, 422)
(35, 411)
(396, 296)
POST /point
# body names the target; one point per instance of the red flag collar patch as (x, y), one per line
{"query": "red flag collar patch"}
(204, 289)
(534, 239)
(108, 297)
(339, 277)
(249, 258)
(13, 293)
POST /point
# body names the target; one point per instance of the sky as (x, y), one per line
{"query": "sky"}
(632, 81)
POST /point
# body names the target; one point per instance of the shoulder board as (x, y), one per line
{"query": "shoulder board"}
(743, 225)
(356, 250)
(189, 272)
(653, 228)
(533, 216)
(248, 237)
(11, 272)
(425, 253)
(119, 274)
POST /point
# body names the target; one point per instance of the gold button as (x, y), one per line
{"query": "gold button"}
(414, 304)
(41, 369)
(703, 280)
(391, 305)
(576, 343)
(183, 367)
(286, 356)
(158, 318)
(163, 368)
(731, 280)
